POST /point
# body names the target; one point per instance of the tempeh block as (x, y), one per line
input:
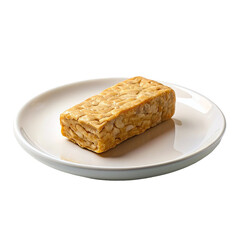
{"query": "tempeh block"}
(118, 113)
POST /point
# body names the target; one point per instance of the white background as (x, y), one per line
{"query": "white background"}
(44, 44)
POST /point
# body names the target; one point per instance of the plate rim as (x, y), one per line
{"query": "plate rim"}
(35, 152)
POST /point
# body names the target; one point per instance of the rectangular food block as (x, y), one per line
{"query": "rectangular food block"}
(118, 113)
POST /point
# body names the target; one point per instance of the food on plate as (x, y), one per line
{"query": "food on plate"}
(122, 111)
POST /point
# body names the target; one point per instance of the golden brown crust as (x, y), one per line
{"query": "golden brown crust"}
(119, 112)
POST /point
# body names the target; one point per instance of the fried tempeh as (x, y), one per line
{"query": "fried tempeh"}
(124, 110)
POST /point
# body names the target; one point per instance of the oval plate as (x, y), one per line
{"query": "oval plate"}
(194, 131)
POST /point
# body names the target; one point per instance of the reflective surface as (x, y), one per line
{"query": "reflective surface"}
(196, 125)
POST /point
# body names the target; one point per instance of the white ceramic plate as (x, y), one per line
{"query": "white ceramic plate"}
(194, 131)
